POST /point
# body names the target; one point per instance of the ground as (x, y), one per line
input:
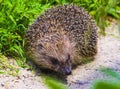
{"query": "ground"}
(108, 56)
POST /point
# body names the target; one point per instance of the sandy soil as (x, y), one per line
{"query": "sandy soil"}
(82, 77)
(25, 80)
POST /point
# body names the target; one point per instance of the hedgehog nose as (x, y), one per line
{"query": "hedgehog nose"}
(67, 71)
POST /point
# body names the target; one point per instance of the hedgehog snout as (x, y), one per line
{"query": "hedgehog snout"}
(67, 70)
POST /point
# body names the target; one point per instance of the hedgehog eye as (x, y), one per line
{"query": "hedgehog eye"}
(54, 61)
(40, 46)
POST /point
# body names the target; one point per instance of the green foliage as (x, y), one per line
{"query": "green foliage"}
(54, 83)
(113, 83)
(15, 16)
(53, 2)
(106, 85)
(111, 73)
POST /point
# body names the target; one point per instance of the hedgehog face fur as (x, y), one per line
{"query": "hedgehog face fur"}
(62, 37)
(56, 52)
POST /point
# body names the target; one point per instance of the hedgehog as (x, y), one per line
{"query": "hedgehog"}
(61, 37)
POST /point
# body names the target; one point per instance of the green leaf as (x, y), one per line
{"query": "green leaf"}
(53, 83)
(93, 13)
(2, 72)
(105, 85)
(111, 73)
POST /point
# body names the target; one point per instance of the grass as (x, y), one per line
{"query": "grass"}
(15, 17)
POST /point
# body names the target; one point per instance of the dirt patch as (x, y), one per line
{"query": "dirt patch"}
(25, 80)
